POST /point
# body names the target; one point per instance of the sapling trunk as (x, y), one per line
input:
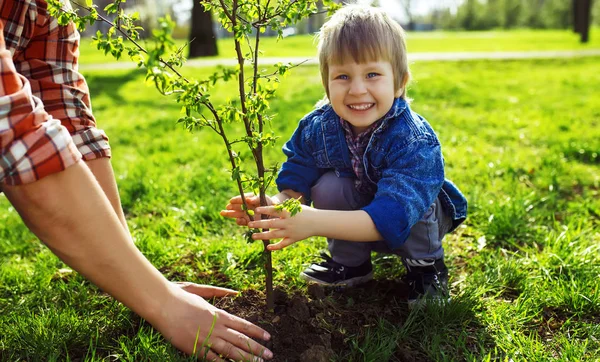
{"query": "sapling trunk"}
(256, 149)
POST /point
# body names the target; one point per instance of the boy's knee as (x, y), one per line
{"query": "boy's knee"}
(334, 193)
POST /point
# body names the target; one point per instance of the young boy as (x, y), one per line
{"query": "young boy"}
(372, 168)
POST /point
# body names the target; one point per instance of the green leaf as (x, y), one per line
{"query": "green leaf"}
(248, 235)
(292, 205)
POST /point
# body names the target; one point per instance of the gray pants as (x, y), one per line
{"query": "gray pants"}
(425, 239)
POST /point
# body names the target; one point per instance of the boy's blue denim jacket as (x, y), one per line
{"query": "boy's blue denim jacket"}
(403, 158)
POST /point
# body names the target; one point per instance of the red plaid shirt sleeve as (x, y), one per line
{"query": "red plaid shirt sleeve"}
(40, 90)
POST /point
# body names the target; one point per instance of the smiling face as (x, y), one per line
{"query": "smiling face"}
(361, 93)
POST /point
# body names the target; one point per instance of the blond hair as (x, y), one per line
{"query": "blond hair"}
(363, 34)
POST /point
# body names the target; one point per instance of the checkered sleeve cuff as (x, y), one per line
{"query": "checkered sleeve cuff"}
(32, 144)
(92, 143)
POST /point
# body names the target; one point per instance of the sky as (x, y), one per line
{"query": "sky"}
(417, 7)
(393, 7)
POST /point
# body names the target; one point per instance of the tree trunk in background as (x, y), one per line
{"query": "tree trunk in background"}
(582, 13)
(406, 4)
(576, 22)
(202, 36)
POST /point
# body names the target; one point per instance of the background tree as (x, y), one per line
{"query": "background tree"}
(202, 38)
(493, 14)
(406, 6)
(582, 11)
(510, 14)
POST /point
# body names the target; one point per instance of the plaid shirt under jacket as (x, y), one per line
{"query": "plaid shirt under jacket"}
(357, 146)
(46, 123)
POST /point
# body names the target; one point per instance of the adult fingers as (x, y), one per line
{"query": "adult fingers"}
(245, 327)
(285, 242)
(247, 344)
(206, 291)
(230, 351)
(210, 356)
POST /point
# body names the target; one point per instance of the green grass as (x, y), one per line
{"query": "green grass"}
(520, 138)
(438, 41)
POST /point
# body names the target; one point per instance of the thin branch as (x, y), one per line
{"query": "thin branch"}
(255, 65)
(241, 88)
(224, 7)
(212, 126)
(141, 48)
(208, 105)
(119, 14)
(275, 14)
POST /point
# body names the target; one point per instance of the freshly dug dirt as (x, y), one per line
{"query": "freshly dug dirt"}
(319, 326)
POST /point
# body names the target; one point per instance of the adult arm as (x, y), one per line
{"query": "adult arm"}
(64, 205)
(81, 227)
(103, 172)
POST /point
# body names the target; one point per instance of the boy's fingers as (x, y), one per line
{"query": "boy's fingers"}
(239, 198)
(231, 213)
(280, 245)
(266, 223)
(268, 235)
(236, 207)
(236, 199)
(271, 211)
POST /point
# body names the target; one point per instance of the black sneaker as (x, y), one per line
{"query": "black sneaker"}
(428, 281)
(329, 272)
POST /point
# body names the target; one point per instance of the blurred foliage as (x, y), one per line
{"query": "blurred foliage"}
(509, 14)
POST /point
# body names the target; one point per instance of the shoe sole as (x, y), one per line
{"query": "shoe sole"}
(423, 302)
(342, 283)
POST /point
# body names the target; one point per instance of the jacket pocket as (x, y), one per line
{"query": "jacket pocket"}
(376, 164)
(321, 159)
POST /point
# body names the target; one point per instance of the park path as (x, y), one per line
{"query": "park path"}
(412, 57)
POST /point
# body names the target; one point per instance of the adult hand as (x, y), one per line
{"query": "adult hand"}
(93, 241)
(283, 226)
(234, 208)
(198, 328)
(205, 291)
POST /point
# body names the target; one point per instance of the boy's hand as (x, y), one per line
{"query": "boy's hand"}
(235, 211)
(283, 226)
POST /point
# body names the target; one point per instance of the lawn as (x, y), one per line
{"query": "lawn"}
(520, 138)
(438, 41)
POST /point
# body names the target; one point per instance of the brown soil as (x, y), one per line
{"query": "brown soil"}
(321, 325)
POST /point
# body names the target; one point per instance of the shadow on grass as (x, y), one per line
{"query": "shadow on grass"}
(583, 152)
(109, 84)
